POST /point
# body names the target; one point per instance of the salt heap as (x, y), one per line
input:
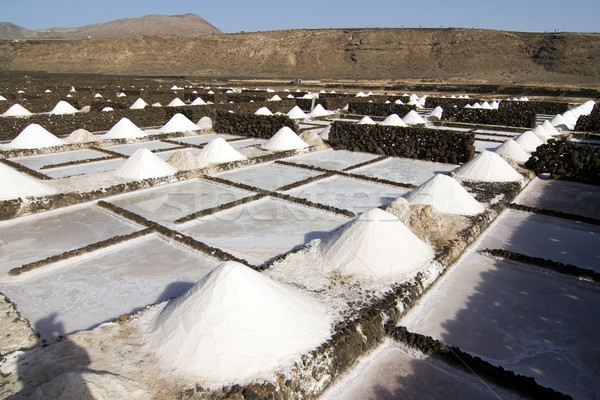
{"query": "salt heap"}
(366, 120)
(486, 106)
(62, 107)
(178, 123)
(513, 150)
(263, 111)
(274, 98)
(376, 245)
(361, 94)
(218, 151)
(393, 120)
(560, 122)
(80, 136)
(529, 141)
(398, 102)
(2, 98)
(16, 184)
(413, 118)
(541, 132)
(488, 167)
(176, 102)
(284, 139)
(34, 136)
(205, 123)
(236, 325)
(436, 113)
(319, 111)
(198, 102)
(105, 109)
(296, 113)
(184, 161)
(144, 164)
(550, 128)
(124, 129)
(325, 133)
(415, 102)
(446, 195)
(17, 110)
(139, 104)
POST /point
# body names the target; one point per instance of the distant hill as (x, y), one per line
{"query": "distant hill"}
(156, 25)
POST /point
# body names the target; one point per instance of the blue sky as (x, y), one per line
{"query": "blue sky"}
(264, 15)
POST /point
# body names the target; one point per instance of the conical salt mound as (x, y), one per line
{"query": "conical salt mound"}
(236, 325)
(550, 128)
(393, 120)
(218, 151)
(366, 121)
(275, 98)
(529, 141)
(205, 123)
(560, 122)
(139, 104)
(325, 133)
(513, 150)
(263, 111)
(413, 118)
(179, 123)
(17, 110)
(376, 245)
(62, 107)
(198, 102)
(284, 139)
(176, 102)
(436, 113)
(488, 167)
(124, 129)
(319, 111)
(296, 113)
(144, 164)
(16, 184)
(541, 132)
(446, 195)
(2, 98)
(35, 136)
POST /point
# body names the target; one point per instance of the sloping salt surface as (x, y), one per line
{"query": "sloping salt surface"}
(178, 123)
(80, 136)
(296, 113)
(16, 184)
(263, 111)
(325, 133)
(275, 98)
(529, 141)
(236, 325)
(436, 113)
(205, 123)
(17, 110)
(62, 107)
(513, 150)
(541, 132)
(488, 167)
(366, 120)
(2, 98)
(176, 102)
(34, 136)
(376, 245)
(412, 118)
(446, 195)
(393, 120)
(124, 129)
(144, 164)
(105, 109)
(560, 122)
(218, 151)
(284, 139)
(198, 102)
(319, 111)
(184, 161)
(550, 128)
(138, 104)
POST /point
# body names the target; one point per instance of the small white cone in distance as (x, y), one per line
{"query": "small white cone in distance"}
(366, 120)
(263, 111)
(393, 120)
(413, 118)
(139, 104)
(124, 129)
(178, 123)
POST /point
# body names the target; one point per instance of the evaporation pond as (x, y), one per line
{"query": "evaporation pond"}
(404, 170)
(332, 159)
(129, 149)
(37, 162)
(202, 139)
(268, 176)
(84, 169)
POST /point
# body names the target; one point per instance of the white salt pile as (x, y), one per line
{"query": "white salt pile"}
(176, 102)
(446, 195)
(488, 167)
(156, 104)
(2, 98)
(495, 104)
(415, 103)
(436, 114)
(184, 161)
(366, 120)
(263, 111)
(274, 98)
(236, 325)
(571, 117)
(205, 123)
(325, 133)
(178, 123)
(121, 94)
(16, 184)
(144, 164)
(105, 109)
(393, 120)
(98, 95)
(80, 136)
(513, 150)
(62, 107)
(529, 141)
(550, 128)
(17, 110)
(296, 113)
(124, 129)
(376, 245)
(218, 151)
(413, 118)
(285, 139)
(560, 122)
(541, 132)
(361, 94)
(198, 102)
(34, 136)
(319, 111)
(398, 102)
(139, 104)
(486, 106)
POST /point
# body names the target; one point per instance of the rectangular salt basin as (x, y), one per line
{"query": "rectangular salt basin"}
(547, 237)
(450, 128)
(37, 162)
(564, 196)
(202, 139)
(332, 159)
(240, 144)
(535, 323)
(129, 149)
(482, 145)
(268, 176)
(86, 291)
(351, 194)
(393, 372)
(404, 170)
(491, 137)
(165, 204)
(85, 169)
(27, 239)
(264, 229)
(503, 133)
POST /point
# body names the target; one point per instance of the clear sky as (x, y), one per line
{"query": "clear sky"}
(263, 15)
